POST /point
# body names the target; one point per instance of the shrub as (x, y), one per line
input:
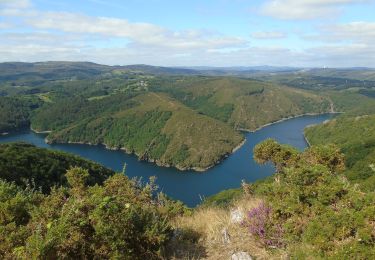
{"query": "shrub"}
(318, 209)
(118, 219)
(261, 225)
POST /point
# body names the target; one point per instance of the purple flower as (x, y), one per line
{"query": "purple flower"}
(262, 226)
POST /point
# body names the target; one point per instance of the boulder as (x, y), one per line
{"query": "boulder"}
(236, 216)
(241, 256)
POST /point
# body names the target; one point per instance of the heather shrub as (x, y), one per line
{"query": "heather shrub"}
(261, 225)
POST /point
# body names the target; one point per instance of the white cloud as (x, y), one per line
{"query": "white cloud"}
(265, 35)
(5, 25)
(331, 55)
(350, 55)
(19, 4)
(145, 34)
(106, 40)
(352, 32)
(15, 8)
(138, 33)
(73, 36)
(39, 38)
(304, 9)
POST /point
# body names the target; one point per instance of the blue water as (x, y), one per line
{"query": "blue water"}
(189, 186)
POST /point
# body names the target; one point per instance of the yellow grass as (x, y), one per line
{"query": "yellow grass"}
(205, 228)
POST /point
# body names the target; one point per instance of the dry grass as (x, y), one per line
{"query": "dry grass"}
(202, 235)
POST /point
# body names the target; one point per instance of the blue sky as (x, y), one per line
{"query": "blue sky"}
(304, 33)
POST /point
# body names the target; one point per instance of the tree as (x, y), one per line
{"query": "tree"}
(280, 155)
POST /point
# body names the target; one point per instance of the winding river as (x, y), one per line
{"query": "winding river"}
(191, 187)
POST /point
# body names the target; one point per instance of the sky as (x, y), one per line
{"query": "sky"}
(221, 33)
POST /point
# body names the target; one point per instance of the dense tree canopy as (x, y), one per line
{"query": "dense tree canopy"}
(27, 165)
(15, 113)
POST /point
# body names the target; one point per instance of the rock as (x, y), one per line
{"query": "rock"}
(236, 216)
(241, 256)
(226, 236)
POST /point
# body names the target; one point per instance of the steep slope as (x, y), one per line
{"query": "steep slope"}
(356, 137)
(154, 126)
(15, 113)
(24, 164)
(351, 102)
(245, 104)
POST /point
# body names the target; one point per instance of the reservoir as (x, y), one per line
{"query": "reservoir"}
(187, 186)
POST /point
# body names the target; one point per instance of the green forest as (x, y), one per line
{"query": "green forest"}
(29, 166)
(186, 121)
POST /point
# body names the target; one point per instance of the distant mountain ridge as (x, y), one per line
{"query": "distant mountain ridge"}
(68, 69)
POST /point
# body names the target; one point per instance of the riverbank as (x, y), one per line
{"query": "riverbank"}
(306, 140)
(188, 186)
(198, 169)
(156, 161)
(40, 132)
(179, 167)
(284, 119)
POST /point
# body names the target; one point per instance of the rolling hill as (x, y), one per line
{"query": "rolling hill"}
(152, 125)
(164, 115)
(245, 104)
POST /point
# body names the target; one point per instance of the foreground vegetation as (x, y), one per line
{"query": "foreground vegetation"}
(41, 169)
(318, 213)
(116, 220)
(355, 135)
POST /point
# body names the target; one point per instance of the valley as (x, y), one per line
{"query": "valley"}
(144, 132)
(187, 186)
(187, 121)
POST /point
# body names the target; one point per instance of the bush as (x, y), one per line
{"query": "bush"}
(316, 206)
(261, 225)
(119, 219)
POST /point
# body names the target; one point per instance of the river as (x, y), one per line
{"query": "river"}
(190, 187)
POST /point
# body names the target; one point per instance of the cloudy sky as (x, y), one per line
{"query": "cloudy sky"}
(304, 33)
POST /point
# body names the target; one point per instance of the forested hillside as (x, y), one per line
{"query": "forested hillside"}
(355, 135)
(163, 115)
(38, 72)
(15, 113)
(38, 168)
(244, 104)
(151, 125)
